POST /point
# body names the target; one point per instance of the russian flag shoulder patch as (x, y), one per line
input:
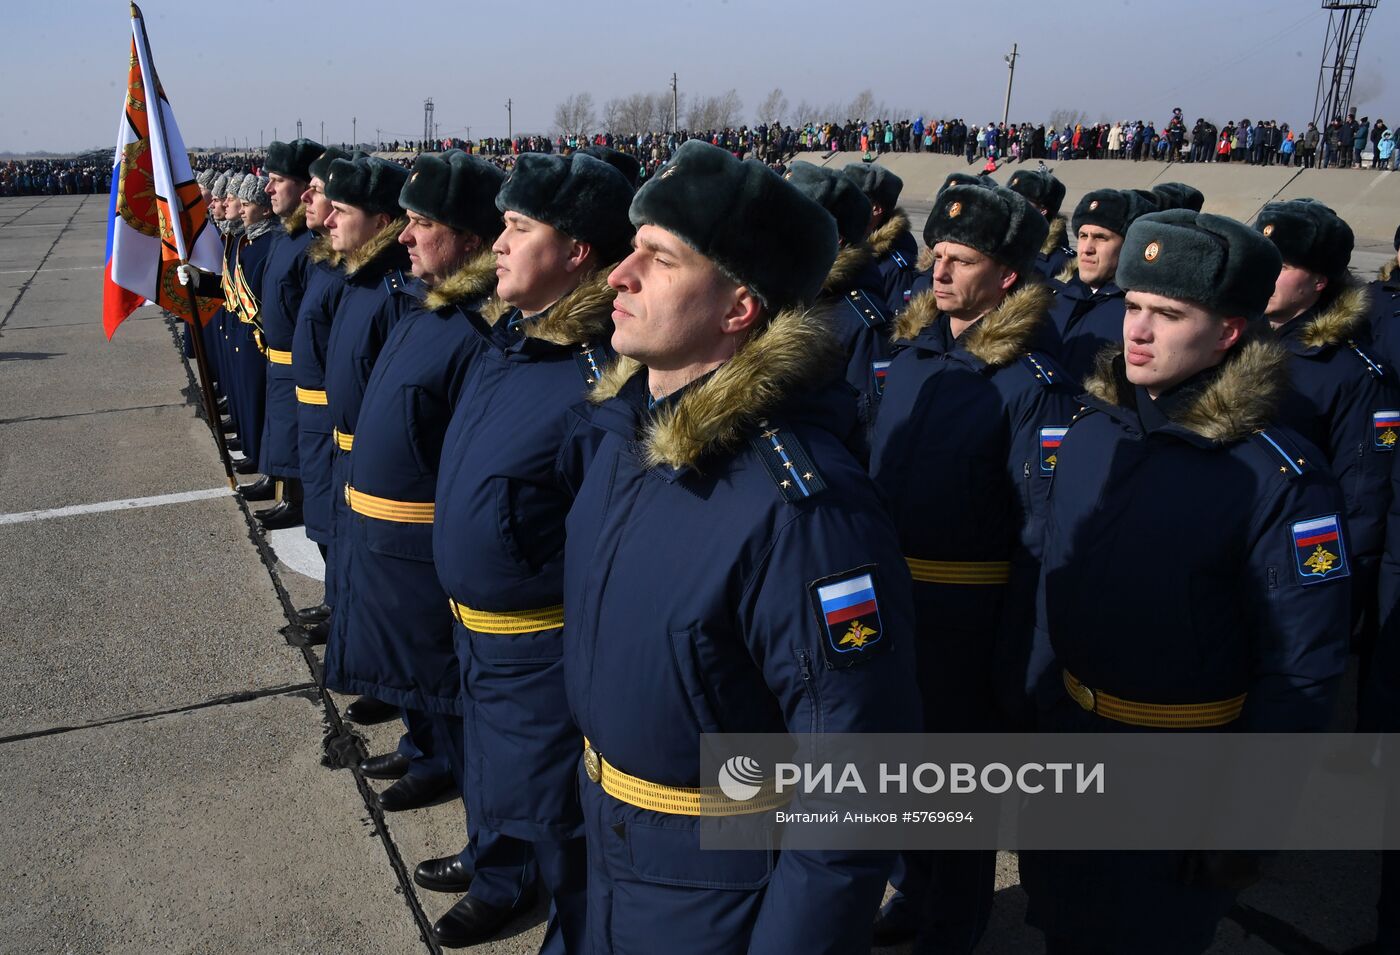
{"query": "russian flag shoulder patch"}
(1318, 549)
(848, 612)
(1385, 427)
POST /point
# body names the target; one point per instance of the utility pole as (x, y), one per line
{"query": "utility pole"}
(260, 140)
(675, 105)
(354, 133)
(298, 129)
(323, 131)
(510, 120)
(1010, 78)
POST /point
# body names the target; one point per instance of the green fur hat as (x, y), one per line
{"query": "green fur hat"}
(880, 186)
(579, 195)
(995, 221)
(367, 183)
(838, 194)
(1218, 263)
(1113, 209)
(1309, 235)
(1041, 188)
(293, 159)
(457, 190)
(630, 168)
(744, 217)
(1178, 195)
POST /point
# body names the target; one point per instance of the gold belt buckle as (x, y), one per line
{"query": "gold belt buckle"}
(1081, 694)
(592, 763)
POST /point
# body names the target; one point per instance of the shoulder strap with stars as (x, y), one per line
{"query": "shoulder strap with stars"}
(788, 463)
(1282, 452)
(1374, 367)
(1041, 367)
(587, 359)
(865, 308)
(394, 282)
(899, 260)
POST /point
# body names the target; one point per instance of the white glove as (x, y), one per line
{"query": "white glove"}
(185, 273)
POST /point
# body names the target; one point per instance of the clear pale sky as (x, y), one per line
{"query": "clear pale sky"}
(242, 69)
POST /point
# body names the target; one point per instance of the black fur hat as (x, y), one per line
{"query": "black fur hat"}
(744, 217)
(292, 159)
(321, 168)
(995, 221)
(367, 183)
(1178, 195)
(1041, 188)
(838, 194)
(880, 186)
(1308, 235)
(457, 190)
(1218, 263)
(630, 168)
(579, 195)
(964, 179)
(1113, 209)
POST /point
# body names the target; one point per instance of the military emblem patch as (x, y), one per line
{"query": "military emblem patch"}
(1153, 250)
(1050, 439)
(880, 369)
(1268, 230)
(849, 613)
(954, 210)
(1319, 550)
(1093, 205)
(1386, 429)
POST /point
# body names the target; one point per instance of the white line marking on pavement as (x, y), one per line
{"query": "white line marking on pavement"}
(75, 268)
(299, 553)
(23, 517)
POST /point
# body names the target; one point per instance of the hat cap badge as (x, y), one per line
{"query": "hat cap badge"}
(1093, 205)
(1268, 230)
(954, 210)
(1153, 250)
(670, 171)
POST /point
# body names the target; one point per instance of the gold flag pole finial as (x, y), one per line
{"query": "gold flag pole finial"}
(135, 12)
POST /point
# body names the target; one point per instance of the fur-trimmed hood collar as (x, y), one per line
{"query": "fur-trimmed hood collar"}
(1222, 408)
(377, 253)
(583, 316)
(295, 223)
(998, 338)
(1334, 324)
(1069, 273)
(320, 251)
(850, 263)
(1388, 269)
(883, 239)
(473, 279)
(1059, 232)
(716, 414)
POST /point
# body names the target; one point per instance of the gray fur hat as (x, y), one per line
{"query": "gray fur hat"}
(1218, 263)
(219, 187)
(253, 190)
(580, 195)
(838, 194)
(206, 179)
(996, 221)
(744, 217)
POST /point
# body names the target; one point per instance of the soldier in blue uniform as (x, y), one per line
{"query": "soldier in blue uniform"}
(1342, 398)
(1385, 311)
(1088, 306)
(965, 444)
(283, 284)
(1047, 194)
(853, 293)
(364, 225)
(1182, 515)
(728, 568)
(890, 238)
(513, 459)
(325, 281)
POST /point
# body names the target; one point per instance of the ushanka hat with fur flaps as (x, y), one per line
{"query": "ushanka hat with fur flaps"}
(1309, 235)
(838, 194)
(293, 159)
(630, 168)
(367, 183)
(1041, 188)
(880, 186)
(253, 190)
(744, 217)
(581, 196)
(1113, 209)
(997, 222)
(457, 190)
(1220, 264)
(1178, 195)
(964, 179)
(320, 167)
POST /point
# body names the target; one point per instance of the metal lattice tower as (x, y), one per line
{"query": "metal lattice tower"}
(1346, 24)
(427, 119)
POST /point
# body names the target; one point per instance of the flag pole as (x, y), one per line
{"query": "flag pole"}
(201, 359)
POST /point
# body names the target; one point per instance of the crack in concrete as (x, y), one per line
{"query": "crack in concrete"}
(336, 728)
(30, 281)
(85, 414)
(246, 696)
(25, 212)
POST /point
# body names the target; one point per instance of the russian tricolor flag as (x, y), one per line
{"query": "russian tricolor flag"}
(156, 217)
(847, 599)
(1324, 530)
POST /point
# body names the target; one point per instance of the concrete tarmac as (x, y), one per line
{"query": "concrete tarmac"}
(169, 789)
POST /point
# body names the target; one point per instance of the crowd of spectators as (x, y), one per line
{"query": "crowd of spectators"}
(54, 177)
